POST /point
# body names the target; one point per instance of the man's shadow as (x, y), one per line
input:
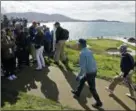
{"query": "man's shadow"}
(71, 79)
(120, 102)
(48, 87)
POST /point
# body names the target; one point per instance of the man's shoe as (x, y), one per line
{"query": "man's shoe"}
(129, 95)
(75, 94)
(38, 69)
(97, 105)
(109, 90)
(14, 77)
(10, 78)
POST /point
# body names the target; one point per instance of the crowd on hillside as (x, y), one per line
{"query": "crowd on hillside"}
(18, 42)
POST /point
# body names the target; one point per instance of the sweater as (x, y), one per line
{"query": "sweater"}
(127, 63)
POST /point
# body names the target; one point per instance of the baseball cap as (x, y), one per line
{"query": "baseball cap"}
(82, 42)
(123, 48)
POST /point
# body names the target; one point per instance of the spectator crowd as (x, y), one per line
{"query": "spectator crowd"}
(21, 45)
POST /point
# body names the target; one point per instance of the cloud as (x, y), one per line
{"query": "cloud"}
(112, 10)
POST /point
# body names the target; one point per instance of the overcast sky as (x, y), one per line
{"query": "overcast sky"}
(87, 10)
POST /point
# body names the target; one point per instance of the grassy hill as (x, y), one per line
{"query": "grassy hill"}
(108, 65)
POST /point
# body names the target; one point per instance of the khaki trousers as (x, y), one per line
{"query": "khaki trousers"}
(119, 78)
(59, 52)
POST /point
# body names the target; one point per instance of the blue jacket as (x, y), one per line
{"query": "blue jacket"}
(47, 36)
(87, 62)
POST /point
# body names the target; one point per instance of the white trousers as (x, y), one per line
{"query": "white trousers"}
(40, 58)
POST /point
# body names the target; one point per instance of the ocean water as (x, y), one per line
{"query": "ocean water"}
(96, 29)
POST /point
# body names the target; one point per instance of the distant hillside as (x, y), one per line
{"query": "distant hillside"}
(34, 16)
(41, 17)
(102, 20)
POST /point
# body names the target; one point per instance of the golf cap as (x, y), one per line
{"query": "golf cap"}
(123, 48)
(82, 42)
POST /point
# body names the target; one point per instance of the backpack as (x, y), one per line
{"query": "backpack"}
(132, 65)
(65, 34)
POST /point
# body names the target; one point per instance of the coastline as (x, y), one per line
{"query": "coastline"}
(112, 38)
(122, 39)
(125, 41)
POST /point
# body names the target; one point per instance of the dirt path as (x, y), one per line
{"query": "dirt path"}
(56, 84)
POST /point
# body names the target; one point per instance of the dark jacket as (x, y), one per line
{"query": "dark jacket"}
(39, 40)
(22, 41)
(7, 44)
(59, 34)
(32, 32)
(16, 32)
(127, 63)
